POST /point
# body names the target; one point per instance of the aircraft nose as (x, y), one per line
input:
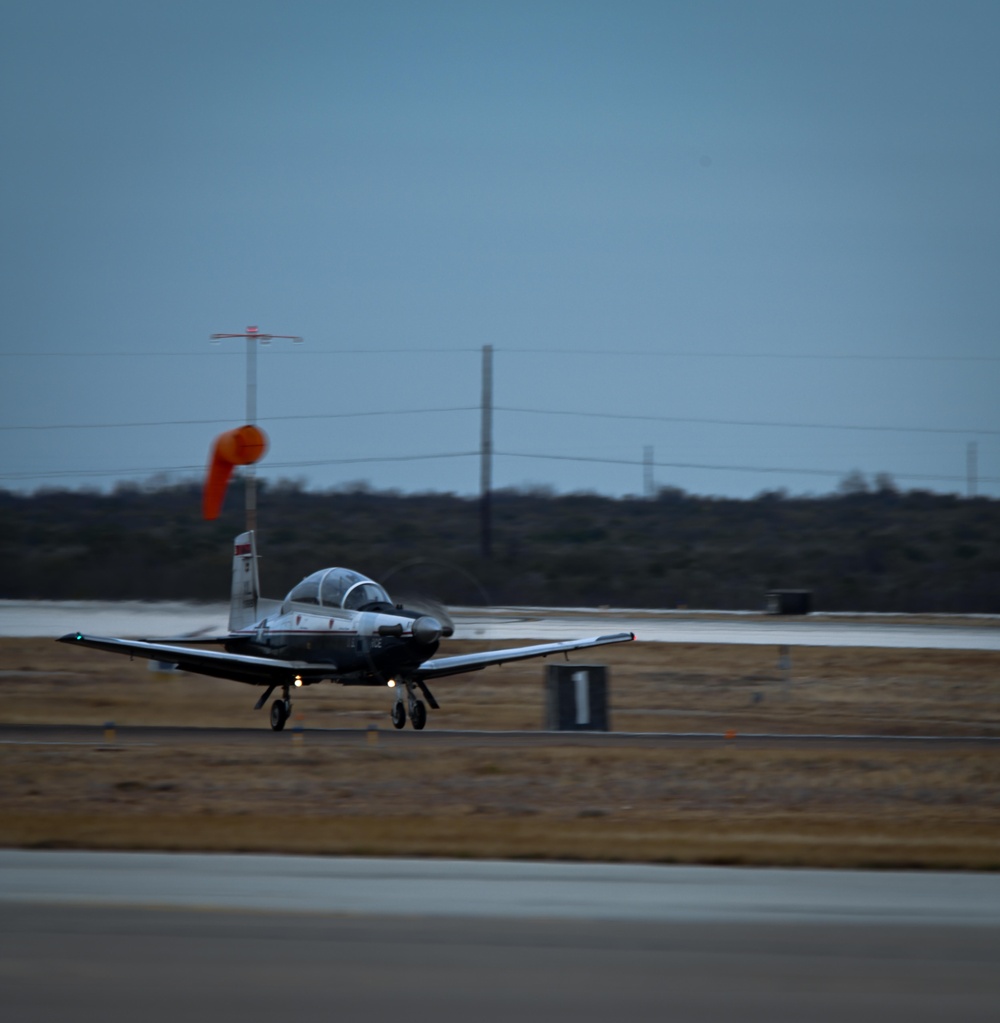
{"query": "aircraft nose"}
(427, 630)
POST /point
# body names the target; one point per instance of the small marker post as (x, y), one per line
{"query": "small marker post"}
(785, 667)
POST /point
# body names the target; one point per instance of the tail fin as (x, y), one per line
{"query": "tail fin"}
(246, 586)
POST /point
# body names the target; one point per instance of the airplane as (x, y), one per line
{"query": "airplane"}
(336, 625)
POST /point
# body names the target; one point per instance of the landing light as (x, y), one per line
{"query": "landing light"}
(391, 683)
(298, 680)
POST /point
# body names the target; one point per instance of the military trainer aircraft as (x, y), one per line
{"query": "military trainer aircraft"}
(335, 626)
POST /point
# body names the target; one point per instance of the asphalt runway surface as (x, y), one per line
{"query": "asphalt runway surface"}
(512, 624)
(871, 631)
(164, 735)
(115, 936)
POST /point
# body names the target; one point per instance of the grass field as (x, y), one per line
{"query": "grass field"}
(724, 802)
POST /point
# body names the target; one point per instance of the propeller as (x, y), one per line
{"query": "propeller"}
(411, 583)
(434, 622)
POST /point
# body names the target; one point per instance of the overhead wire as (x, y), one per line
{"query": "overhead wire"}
(218, 422)
(700, 420)
(708, 421)
(167, 469)
(792, 471)
(363, 460)
(311, 352)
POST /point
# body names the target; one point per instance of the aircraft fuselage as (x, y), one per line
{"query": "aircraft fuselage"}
(366, 647)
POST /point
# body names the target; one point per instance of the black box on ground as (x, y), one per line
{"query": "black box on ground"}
(576, 698)
(789, 602)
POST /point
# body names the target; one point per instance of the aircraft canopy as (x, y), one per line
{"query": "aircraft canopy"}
(338, 587)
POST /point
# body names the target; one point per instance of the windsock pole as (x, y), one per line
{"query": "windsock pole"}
(249, 471)
(253, 336)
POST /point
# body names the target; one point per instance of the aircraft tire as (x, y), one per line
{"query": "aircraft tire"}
(418, 716)
(398, 715)
(279, 715)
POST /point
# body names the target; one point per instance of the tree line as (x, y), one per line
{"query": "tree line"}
(862, 548)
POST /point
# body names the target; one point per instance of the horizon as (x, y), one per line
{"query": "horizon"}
(853, 485)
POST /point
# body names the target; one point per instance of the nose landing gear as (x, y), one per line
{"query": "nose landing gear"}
(417, 709)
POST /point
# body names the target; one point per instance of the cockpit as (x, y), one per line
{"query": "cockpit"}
(338, 588)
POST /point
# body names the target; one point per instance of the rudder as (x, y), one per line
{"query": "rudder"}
(245, 590)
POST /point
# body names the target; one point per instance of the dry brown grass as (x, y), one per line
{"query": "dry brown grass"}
(831, 806)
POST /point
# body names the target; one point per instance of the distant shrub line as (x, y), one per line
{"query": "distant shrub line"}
(859, 549)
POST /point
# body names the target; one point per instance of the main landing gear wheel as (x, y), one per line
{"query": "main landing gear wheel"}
(398, 715)
(279, 714)
(418, 714)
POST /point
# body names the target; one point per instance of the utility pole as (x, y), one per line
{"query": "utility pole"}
(486, 456)
(972, 468)
(647, 472)
(253, 337)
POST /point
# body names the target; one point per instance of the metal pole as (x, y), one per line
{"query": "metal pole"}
(253, 337)
(252, 381)
(249, 471)
(486, 456)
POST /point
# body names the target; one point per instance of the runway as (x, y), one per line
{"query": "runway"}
(874, 631)
(497, 889)
(516, 624)
(161, 735)
(110, 936)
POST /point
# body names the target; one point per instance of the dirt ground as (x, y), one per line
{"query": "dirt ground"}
(825, 804)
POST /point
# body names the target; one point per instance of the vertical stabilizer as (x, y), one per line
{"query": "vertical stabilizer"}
(246, 586)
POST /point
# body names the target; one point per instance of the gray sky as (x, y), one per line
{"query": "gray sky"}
(738, 212)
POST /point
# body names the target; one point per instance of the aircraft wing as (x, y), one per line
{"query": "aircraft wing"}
(267, 671)
(439, 667)
(255, 671)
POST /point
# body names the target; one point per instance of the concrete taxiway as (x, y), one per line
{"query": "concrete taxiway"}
(112, 936)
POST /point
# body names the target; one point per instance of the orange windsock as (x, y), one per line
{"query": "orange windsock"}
(242, 446)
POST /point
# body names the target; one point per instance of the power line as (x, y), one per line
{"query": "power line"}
(217, 422)
(385, 458)
(792, 356)
(575, 352)
(746, 422)
(701, 420)
(313, 463)
(731, 468)
(165, 469)
(217, 353)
